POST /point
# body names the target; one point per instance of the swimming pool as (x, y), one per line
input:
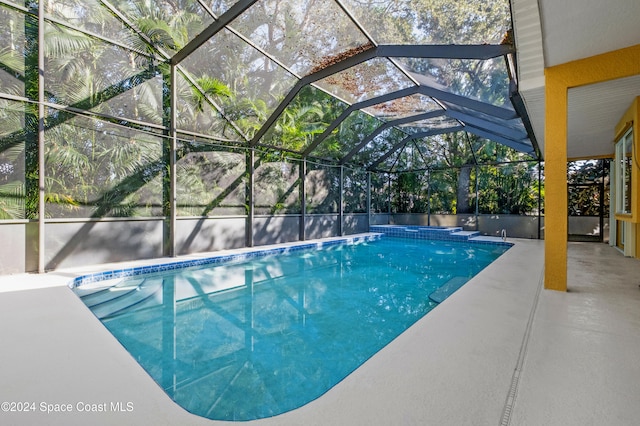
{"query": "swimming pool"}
(248, 339)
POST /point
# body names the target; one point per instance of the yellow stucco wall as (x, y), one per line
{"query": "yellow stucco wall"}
(632, 115)
(558, 80)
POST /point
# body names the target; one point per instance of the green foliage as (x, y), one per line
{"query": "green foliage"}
(380, 193)
(504, 189)
(507, 189)
(211, 180)
(159, 32)
(588, 187)
(351, 132)
(210, 87)
(433, 21)
(449, 22)
(443, 191)
(277, 185)
(12, 186)
(461, 22)
(168, 25)
(322, 188)
(308, 115)
(12, 200)
(93, 167)
(408, 193)
(355, 191)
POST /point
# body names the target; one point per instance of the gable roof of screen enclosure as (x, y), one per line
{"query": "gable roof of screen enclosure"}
(341, 49)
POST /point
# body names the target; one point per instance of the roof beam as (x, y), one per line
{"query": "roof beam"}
(334, 125)
(518, 104)
(519, 145)
(431, 51)
(483, 51)
(420, 135)
(319, 75)
(471, 51)
(480, 106)
(487, 125)
(217, 25)
(276, 113)
(358, 106)
(385, 126)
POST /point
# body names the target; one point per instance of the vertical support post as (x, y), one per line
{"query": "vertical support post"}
(173, 170)
(558, 79)
(41, 141)
(556, 227)
(341, 204)
(303, 199)
(34, 139)
(250, 196)
(168, 152)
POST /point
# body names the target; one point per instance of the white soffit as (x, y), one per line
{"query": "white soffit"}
(576, 29)
(593, 113)
(530, 58)
(534, 102)
(528, 35)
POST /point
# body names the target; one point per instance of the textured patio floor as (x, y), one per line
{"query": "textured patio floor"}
(499, 351)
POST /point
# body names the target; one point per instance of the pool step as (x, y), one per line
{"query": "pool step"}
(122, 298)
(455, 233)
(96, 296)
(464, 235)
(447, 289)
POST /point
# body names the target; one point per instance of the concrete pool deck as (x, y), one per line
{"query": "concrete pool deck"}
(499, 351)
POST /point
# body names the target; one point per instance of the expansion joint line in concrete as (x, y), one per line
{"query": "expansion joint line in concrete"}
(515, 378)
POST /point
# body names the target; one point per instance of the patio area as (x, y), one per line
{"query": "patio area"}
(499, 351)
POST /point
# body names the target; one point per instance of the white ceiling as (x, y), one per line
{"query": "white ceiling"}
(553, 32)
(593, 113)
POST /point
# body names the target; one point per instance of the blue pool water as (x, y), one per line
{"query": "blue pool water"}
(253, 339)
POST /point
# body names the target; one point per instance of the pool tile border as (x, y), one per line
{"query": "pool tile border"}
(222, 258)
(454, 233)
(377, 232)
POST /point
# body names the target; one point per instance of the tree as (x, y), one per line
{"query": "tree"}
(508, 189)
(587, 181)
(407, 190)
(449, 22)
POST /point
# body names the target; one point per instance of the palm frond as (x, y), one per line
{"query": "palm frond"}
(12, 200)
(61, 42)
(12, 62)
(159, 32)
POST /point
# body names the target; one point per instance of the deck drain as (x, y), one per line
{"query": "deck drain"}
(515, 378)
